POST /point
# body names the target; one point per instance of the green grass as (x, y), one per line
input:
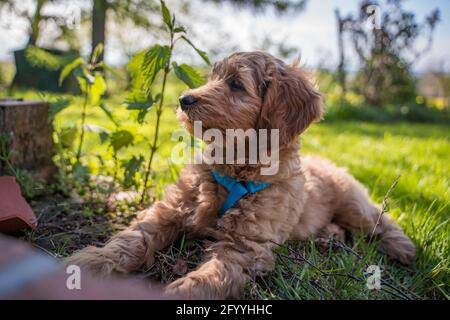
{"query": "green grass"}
(375, 154)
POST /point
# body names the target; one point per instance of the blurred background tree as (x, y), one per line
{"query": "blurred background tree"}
(281, 6)
(36, 17)
(385, 37)
(343, 23)
(435, 83)
(95, 12)
(120, 11)
(56, 19)
(99, 12)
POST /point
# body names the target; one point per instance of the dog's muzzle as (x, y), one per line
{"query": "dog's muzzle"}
(187, 102)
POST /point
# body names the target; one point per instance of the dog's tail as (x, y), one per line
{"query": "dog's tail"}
(394, 242)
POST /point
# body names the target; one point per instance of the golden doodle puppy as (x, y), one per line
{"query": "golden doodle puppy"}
(307, 197)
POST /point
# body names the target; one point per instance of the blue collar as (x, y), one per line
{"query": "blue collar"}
(236, 190)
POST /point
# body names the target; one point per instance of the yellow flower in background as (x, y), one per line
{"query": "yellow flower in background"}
(438, 103)
(420, 100)
(354, 98)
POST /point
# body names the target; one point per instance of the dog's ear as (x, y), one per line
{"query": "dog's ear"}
(290, 103)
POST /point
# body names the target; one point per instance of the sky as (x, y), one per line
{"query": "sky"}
(224, 29)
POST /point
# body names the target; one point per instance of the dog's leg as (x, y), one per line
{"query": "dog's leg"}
(356, 213)
(225, 274)
(188, 205)
(133, 247)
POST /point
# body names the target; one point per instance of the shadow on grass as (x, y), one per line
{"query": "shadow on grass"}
(65, 226)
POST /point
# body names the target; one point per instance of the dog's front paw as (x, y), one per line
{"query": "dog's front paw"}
(93, 260)
(190, 288)
(181, 288)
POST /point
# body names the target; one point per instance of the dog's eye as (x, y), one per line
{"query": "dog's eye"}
(236, 85)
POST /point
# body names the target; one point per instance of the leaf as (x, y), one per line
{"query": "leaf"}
(82, 83)
(66, 136)
(88, 77)
(131, 167)
(155, 59)
(201, 53)
(84, 78)
(103, 133)
(104, 136)
(179, 29)
(108, 112)
(134, 67)
(95, 128)
(98, 50)
(188, 75)
(98, 88)
(69, 68)
(135, 63)
(140, 101)
(57, 106)
(166, 15)
(121, 139)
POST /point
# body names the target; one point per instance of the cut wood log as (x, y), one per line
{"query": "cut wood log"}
(30, 139)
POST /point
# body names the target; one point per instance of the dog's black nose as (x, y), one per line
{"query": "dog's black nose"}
(187, 101)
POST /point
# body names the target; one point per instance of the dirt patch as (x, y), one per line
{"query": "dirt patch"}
(65, 226)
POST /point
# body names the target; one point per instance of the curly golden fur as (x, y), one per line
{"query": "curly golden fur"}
(309, 197)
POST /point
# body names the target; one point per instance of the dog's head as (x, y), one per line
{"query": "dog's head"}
(253, 90)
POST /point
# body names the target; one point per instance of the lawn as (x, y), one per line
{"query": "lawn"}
(376, 154)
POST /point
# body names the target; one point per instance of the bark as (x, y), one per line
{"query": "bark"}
(99, 24)
(30, 138)
(342, 76)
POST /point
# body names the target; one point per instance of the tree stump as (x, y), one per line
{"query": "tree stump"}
(30, 141)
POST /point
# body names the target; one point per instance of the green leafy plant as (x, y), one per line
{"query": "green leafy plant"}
(55, 104)
(92, 85)
(146, 66)
(64, 140)
(90, 76)
(118, 140)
